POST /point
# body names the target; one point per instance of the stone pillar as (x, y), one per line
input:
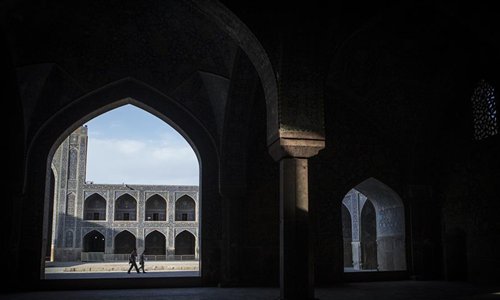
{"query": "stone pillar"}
(296, 245)
(356, 232)
(356, 255)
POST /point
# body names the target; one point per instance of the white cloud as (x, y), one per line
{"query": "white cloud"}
(129, 146)
(141, 162)
(124, 146)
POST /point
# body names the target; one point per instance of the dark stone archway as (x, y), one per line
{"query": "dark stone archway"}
(185, 209)
(125, 208)
(389, 224)
(126, 91)
(185, 243)
(71, 96)
(93, 241)
(95, 208)
(125, 242)
(155, 244)
(156, 209)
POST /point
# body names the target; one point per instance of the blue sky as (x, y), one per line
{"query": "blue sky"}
(130, 145)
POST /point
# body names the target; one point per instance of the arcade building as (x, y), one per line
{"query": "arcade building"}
(105, 222)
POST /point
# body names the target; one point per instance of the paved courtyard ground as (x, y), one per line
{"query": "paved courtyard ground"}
(389, 290)
(81, 270)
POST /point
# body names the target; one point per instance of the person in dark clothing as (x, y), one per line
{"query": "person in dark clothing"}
(131, 261)
(142, 258)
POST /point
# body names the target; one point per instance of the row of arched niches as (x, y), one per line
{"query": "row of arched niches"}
(154, 243)
(125, 208)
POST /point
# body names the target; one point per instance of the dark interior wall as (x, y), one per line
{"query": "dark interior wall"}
(352, 155)
(467, 177)
(470, 202)
(249, 185)
(396, 106)
(260, 211)
(41, 148)
(12, 118)
(468, 189)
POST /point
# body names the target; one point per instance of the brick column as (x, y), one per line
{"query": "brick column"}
(296, 246)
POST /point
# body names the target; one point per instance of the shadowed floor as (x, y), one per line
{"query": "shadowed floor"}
(429, 290)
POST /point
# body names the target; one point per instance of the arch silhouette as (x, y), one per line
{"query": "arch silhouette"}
(389, 254)
(51, 133)
(126, 208)
(156, 208)
(125, 242)
(155, 243)
(94, 241)
(243, 36)
(185, 209)
(116, 94)
(94, 208)
(45, 139)
(185, 243)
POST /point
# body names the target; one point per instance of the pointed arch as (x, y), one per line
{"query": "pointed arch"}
(156, 208)
(185, 243)
(380, 232)
(94, 208)
(126, 208)
(243, 36)
(185, 209)
(125, 242)
(94, 241)
(49, 135)
(116, 94)
(155, 243)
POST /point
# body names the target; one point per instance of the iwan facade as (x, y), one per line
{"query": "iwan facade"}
(105, 222)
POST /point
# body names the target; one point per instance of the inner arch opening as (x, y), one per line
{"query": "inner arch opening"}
(377, 228)
(120, 176)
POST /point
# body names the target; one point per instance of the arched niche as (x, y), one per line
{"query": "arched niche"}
(51, 134)
(125, 208)
(94, 208)
(378, 226)
(155, 244)
(156, 208)
(185, 209)
(94, 241)
(125, 242)
(64, 112)
(185, 243)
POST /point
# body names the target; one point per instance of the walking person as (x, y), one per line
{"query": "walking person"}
(142, 259)
(131, 261)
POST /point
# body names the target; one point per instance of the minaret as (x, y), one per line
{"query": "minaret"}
(69, 167)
